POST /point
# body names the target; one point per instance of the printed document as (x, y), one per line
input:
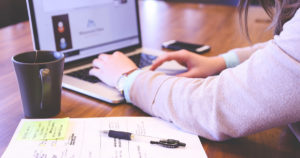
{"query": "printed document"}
(84, 138)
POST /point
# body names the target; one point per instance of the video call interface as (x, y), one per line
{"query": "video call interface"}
(66, 25)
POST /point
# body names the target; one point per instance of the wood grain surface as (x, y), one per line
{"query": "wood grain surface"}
(217, 26)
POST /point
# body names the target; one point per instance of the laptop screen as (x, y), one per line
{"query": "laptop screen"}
(84, 28)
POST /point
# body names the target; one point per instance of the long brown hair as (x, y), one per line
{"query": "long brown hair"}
(280, 11)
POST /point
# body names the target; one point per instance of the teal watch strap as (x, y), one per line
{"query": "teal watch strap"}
(128, 83)
(231, 59)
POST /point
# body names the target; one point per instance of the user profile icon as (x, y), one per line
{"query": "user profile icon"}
(63, 43)
(60, 27)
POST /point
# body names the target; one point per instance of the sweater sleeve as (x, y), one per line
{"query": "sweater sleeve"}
(236, 56)
(258, 94)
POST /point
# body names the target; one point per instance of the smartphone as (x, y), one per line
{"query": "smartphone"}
(178, 45)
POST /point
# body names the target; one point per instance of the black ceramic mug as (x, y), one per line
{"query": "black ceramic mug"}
(39, 75)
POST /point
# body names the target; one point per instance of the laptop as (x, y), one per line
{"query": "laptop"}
(84, 29)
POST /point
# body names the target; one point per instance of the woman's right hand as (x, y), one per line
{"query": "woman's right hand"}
(198, 66)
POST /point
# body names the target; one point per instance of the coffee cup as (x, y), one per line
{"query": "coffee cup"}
(39, 75)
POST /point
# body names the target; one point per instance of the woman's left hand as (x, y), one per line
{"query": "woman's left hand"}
(109, 68)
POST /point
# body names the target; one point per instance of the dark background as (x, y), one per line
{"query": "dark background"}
(12, 12)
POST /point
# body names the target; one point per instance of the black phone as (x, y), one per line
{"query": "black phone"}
(178, 45)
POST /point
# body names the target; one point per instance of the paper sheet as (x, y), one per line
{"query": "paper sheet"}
(85, 140)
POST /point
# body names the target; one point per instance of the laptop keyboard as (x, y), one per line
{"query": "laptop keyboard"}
(84, 75)
(141, 60)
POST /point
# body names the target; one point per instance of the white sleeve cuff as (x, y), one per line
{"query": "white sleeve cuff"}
(231, 59)
(128, 83)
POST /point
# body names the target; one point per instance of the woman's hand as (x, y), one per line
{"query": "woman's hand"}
(198, 66)
(109, 68)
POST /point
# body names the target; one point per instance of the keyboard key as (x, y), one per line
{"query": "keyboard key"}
(142, 59)
(83, 74)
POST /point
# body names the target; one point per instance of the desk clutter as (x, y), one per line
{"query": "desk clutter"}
(85, 138)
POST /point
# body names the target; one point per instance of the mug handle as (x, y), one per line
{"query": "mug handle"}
(44, 73)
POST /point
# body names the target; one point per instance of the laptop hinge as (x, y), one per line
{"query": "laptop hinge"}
(71, 53)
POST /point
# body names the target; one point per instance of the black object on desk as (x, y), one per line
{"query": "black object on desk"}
(168, 143)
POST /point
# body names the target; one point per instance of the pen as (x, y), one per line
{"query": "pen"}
(168, 143)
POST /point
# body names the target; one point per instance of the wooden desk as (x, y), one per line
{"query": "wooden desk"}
(217, 26)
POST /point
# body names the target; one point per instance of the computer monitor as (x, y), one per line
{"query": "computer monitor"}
(84, 28)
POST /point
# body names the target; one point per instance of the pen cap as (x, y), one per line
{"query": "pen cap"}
(119, 134)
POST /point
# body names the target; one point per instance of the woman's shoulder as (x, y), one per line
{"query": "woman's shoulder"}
(298, 12)
(296, 16)
(295, 20)
(289, 39)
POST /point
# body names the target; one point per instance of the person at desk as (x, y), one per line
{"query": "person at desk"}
(256, 88)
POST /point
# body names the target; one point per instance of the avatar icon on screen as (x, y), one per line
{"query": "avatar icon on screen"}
(62, 33)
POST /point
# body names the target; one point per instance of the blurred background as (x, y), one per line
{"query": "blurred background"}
(15, 11)
(12, 12)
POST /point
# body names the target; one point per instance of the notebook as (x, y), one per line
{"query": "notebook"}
(84, 29)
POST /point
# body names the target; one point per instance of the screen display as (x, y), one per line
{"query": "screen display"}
(90, 26)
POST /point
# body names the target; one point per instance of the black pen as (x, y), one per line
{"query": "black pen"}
(168, 143)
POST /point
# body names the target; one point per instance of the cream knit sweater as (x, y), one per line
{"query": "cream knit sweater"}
(260, 93)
